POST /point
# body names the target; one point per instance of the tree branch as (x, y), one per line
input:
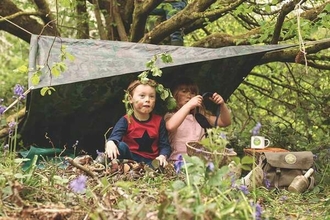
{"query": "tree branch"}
(47, 15)
(289, 55)
(286, 9)
(82, 21)
(97, 14)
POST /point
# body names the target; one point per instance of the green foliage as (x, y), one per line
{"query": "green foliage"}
(13, 60)
(215, 140)
(164, 93)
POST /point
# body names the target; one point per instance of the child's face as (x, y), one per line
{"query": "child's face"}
(184, 94)
(143, 100)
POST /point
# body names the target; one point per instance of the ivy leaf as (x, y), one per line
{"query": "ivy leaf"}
(160, 88)
(156, 72)
(166, 58)
(164, 94)
(171, 103)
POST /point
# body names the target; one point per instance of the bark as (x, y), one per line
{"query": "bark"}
(97, 14)
(290, 55)
(46, 15)
(119, 23)
(82, 22)
(20, 24)
(286, 9)
(140, 14)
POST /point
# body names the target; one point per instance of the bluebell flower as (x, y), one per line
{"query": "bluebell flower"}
(266, 181)
(78, 185)
(99, 152)
(244, 189)
(223, 135)
(19, 91)
(256, 129)
(2, 109)
(258, 210)
(178, 164)
(12, 126)
(283, 198)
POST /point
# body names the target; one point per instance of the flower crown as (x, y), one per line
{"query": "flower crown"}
(164, 93)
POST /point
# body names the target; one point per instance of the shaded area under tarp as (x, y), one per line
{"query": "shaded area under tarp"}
(89, 93)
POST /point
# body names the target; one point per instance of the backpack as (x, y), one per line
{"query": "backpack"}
(280, 168)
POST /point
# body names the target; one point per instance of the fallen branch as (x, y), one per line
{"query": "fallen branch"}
(4, 132)
(83, 168)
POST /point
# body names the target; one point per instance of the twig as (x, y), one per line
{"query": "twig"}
(18, 99)
(85, 169)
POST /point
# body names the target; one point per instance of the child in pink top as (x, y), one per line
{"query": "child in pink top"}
(182, 125)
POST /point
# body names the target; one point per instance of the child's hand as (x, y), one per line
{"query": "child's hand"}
(195, 101)
(217, 99)
(111, 150)
(162, 160)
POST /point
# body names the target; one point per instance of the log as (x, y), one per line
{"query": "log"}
(18, 116)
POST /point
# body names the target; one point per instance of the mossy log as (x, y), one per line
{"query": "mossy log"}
(18, 116)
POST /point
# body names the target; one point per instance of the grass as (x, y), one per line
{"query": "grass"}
(139, 193)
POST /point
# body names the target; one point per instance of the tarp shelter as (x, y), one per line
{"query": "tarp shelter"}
(89, 93)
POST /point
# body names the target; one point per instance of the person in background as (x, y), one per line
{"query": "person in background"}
(168, 9)
(141, 136)
(182, 125)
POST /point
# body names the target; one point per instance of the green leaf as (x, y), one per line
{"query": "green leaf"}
(164, 94)
(35, 79)
(55, 71)
(178, 184)
(22, 69)
(70, 57)
(247, 160)
(156, 72)
(44, 90)
(268, 8)
(245, 167)
(171, 103)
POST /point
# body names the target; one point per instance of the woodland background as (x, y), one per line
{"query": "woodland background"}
(287, 92)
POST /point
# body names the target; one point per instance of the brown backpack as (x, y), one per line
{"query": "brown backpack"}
(280, 168)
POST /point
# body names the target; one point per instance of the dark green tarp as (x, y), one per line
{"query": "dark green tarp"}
(89, 93)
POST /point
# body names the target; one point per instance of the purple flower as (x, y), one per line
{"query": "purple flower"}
(99, 152)
(178, 164)
(244, 189)
(266, 181)
(19, 91)
(223, 135)
(2, 109)
(78, 185)
(256, 129)
(210, 166)
(12, 126)
(258, 210)
(283, 198)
